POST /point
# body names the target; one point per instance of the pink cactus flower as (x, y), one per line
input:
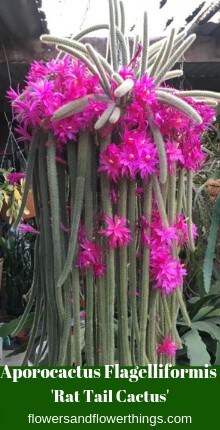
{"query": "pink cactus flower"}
(26, 228)
(14, 178)
(167, 347)
(116, 231)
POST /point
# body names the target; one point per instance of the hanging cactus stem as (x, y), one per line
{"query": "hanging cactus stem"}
(111, 160)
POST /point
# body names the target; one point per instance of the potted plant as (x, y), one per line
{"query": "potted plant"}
(11, 191)
(17, 250)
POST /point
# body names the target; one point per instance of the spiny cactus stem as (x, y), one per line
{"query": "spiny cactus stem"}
(145, 51)
(123, 314)
(147, 207)
(189, 188)
(132, 269)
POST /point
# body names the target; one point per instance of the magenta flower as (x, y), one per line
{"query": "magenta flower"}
(142, 226)
(99, 270)
(129, 159)
(116, 231)
(114, 195)
(26, 228)
(48, 87)
(164, 235)
(90, 257)
(148, 160)
(110, 162)
(144, 91)
(82, 233)
(174, 154)
(14, 178)
(167, 271)
(64, 228)
(167, 347)
(182, 230)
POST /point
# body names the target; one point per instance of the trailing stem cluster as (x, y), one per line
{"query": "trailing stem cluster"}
(112, 155)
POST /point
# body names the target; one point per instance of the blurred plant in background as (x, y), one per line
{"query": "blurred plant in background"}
(204, 265)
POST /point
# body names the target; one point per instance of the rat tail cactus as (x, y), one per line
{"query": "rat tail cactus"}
(112, 155)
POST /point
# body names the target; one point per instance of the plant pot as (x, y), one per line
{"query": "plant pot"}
(29, 205)
(23, 337)
(213, 188)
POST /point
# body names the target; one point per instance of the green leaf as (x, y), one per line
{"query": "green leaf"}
(208, 327)
(196, 349)
(215, 320)
(208, 299)
(217, 355)
(17, 351)
(7, 328)
(215, 288)
(209, 255)
(202, 313)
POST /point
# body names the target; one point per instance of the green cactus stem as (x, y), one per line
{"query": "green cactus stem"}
(180, 191)
(152, 327)
(172, 74)
(122, 15)
(132, 269)
(158, 139)
(43, 336)
(123, 286)
(183, 307)
(89, 273)
(199, 93)
(100, 68)
(105, 116)
(167, 316)
(174, 58)
(160, 201)
(145, 50)
(156, 45)
(113, 39)
(210, 250)
(101, 317)
(136, 41)
(172, 195)
(115, 115)
(158, 59)
(46, 237)
(55, 220)
(168, 47)
(76, 106)
(189, 189)
(124, 88)
(110, 268)
(179, 104)
(32, 293)
(145, 278)
(116, 9)
(48, 38)
(74, 231)
(35, 326)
